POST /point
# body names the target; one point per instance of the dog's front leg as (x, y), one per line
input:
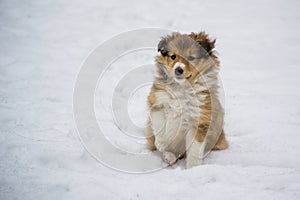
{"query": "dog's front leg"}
(158, 122)
(194, 150)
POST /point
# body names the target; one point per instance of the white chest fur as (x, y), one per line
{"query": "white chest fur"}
(180, 112)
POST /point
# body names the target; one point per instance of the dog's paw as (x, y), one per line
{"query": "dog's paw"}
(169, 157)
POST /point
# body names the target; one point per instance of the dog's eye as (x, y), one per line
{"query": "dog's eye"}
(173, 57)
(190, 58)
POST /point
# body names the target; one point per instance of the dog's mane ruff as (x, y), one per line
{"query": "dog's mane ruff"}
(162, 75)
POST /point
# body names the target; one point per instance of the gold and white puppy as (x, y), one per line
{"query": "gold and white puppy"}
(185, 115)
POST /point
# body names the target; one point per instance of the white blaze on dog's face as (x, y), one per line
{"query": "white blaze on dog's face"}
(181, 57)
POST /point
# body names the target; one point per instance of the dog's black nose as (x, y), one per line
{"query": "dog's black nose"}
(178, 71)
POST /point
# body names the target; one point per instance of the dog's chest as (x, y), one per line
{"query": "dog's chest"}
(181, 105)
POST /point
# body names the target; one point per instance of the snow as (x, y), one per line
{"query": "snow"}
(44, 43)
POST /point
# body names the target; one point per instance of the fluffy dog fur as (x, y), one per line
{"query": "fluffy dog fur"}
(185, 115)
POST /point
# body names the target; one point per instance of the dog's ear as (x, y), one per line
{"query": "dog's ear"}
(161, 47)
(204, 41)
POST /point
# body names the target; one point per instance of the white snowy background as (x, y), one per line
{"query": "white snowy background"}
(43, 44)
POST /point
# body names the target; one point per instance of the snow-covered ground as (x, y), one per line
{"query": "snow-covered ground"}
(42, 46)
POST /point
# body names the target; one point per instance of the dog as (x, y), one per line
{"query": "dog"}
(185, 115)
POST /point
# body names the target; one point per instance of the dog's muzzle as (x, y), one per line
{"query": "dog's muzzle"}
(178, 72)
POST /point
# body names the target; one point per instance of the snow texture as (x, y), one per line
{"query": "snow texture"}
(43, 44)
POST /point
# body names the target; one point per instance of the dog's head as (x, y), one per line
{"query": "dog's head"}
(183, 57)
